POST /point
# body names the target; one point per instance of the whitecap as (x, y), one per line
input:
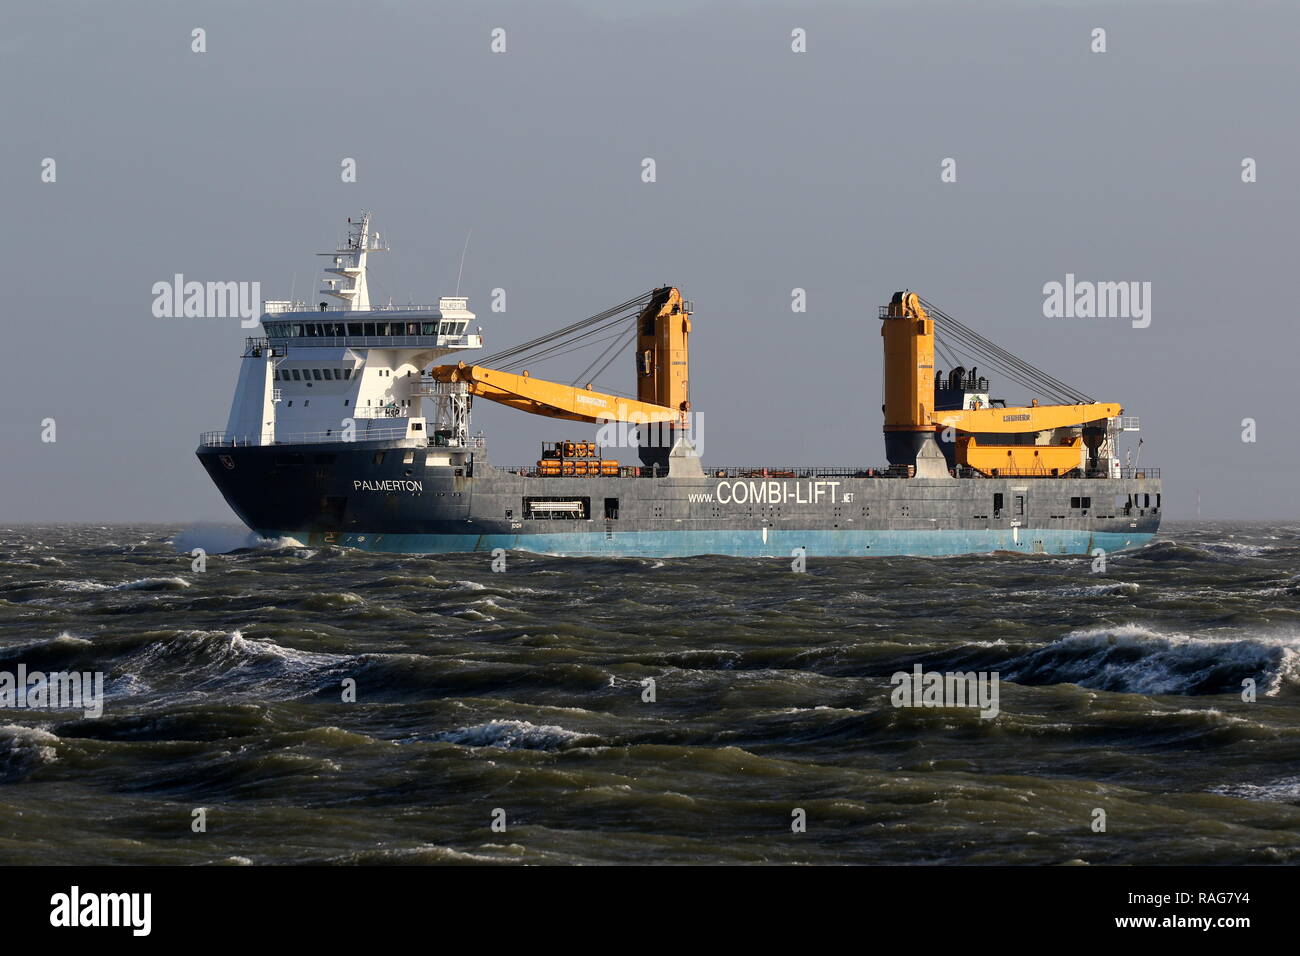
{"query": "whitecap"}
(514, 735)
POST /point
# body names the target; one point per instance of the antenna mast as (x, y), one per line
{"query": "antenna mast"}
(462, 259)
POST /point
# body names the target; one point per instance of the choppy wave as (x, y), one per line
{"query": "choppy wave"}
(1281, 790)
(228, 661)
(516, 735)
(24, 750)
(392, 700)
(1134, 659)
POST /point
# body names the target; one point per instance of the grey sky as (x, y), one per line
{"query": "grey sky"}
(775, 170)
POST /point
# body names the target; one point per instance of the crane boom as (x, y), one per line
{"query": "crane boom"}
(662, 329)
(551, 399)
(1033, 418)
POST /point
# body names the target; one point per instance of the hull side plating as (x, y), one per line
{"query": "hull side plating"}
(388, 497)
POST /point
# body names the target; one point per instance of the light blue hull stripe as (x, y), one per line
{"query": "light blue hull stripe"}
(834, 542)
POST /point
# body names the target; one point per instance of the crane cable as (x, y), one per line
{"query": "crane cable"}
(1005, 360)
(616, 348)
(553, 343)
(963, 338)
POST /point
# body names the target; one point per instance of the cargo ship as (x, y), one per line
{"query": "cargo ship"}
(350, 426)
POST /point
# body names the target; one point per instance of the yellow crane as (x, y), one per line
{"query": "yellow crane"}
(1052, 436)
(1038, 438)
(662, 370)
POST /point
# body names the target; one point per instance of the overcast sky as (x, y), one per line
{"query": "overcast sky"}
(775, 170)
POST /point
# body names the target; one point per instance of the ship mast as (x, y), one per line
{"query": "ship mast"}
(350, 266)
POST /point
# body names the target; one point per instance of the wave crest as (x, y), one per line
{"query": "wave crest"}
(1133, 659)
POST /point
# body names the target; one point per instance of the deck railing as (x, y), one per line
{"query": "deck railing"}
(799, 472)
(281, 343)
(272, 307)
(216, 439)
(219, 439)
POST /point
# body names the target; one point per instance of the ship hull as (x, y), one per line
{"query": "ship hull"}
(391, 498)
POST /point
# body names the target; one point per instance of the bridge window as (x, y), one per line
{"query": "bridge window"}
(295, 375)
(315, 373)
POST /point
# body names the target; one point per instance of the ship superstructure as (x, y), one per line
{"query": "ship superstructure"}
(350, 426)
(344, 370)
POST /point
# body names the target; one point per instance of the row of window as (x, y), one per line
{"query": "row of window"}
(379, 403)
(325, 330)
(313, 374)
